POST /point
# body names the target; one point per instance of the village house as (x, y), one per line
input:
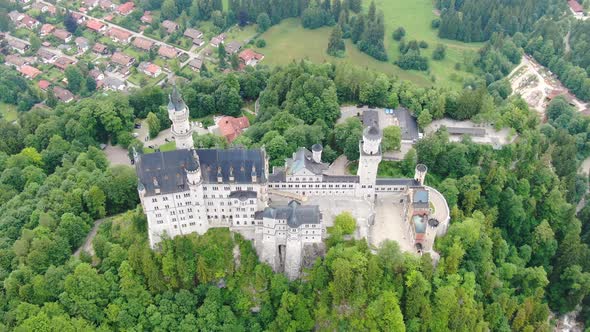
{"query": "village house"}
(232, 47)
(82, 44)
(99, 48)
(167, 52)
(576, 8)
(231, 128)
(46, 29)
(96, 26)
(96, 74)
(43, 85)
(29, 72)
(122, 59)
(147, 17)
(46, 56)
(113, 84)
(15, 61)
(119, 36)
(195, 35)
(62, 62)
(62, 35)
(78, 17)
(91, 4)
(143, 44)
(215, 41)
(62, 94)
(29, 22)
(15, 17)
(196, 64)
(45, 8)
(126, 8)
(18, 45)
(106, 5)
(150, 69)
(250, 58)
(170, 26)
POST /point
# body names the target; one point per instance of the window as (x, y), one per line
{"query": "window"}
(175, 226)
(191, 223)
(164, 198)
(173, 219)
(154, 200)
(167, 206)
(183, 225)
(159, 222)
(187, 195)
(177, 196)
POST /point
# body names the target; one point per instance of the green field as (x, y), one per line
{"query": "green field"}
(170, 146)
(8, 112)
(289, 41)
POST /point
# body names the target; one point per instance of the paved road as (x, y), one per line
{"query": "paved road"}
(87, 245)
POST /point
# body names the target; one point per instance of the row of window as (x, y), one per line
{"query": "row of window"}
(226, 188)
(311, 186)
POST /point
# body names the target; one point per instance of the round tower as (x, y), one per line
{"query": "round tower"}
(316, 150)
(193, 171)
(420, 174)
(371, 140)
(179, 115)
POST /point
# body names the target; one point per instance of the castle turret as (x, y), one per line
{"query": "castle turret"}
(193, 170)
(179, 115)
(370, 157)
(316, 150)
(420, 174)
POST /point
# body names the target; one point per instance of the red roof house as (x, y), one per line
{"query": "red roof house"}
(231, 128)
(29, 72)
(96, 25)
(43, 84)
(126, 8)
(250, 58)
(120, 36)
(167, 51)
(46, 29)
(575, 7)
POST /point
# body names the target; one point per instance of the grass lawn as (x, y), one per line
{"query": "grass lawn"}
(289, 41)
(170, 146)
(241, 34)
(8, 112)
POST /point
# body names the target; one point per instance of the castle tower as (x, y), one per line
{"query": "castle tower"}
(370, 157)
(316, 150)
(195, 187)
(181, 126)
(420, 174)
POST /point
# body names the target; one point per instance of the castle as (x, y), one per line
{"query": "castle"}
(192, 190)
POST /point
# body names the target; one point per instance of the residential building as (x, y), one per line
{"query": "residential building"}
(168, 52)
(14, 61)
(126, 8)
(215, 41)
(46, 56)
(576, 8)
(82, 44)
(100, 48)
(91, 4)
(119, 35)
(62, 35)
(78, 17)
(43, 85)
(143, 44)
(29, 71)
(122, 59)
(250, 58)
(230, 127)
(96, 74)
(62, 94)
(113, 84)
(96, 26)
(147, 17)
(29, 22)
(150, 69)
(62, 62)
(193, 34)
(46, 29)
(196, 64)
(106, 5)
(17, 45)
(232, 47)
(170, 26)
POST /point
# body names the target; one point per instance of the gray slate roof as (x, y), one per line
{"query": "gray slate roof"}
(243, 195)
(397, 182)
(295, 214)
(166, 170)
(303, 159)
(175, 100)
(241, 160)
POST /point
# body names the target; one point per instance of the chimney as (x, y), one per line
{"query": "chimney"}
(254, 177)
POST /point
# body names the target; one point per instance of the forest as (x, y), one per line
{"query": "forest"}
(515, 250)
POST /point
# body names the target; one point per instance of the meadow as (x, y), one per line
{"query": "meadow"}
(8, 112)
(289, 41)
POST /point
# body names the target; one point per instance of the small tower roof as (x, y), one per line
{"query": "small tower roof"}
(317, 147)
(175, 100)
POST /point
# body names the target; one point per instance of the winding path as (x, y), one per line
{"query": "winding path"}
(87, 245)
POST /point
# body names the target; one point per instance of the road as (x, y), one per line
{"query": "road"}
(87, 245)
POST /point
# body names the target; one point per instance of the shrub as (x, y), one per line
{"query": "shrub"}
(261, 43)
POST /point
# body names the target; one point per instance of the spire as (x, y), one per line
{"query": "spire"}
(176, 101)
